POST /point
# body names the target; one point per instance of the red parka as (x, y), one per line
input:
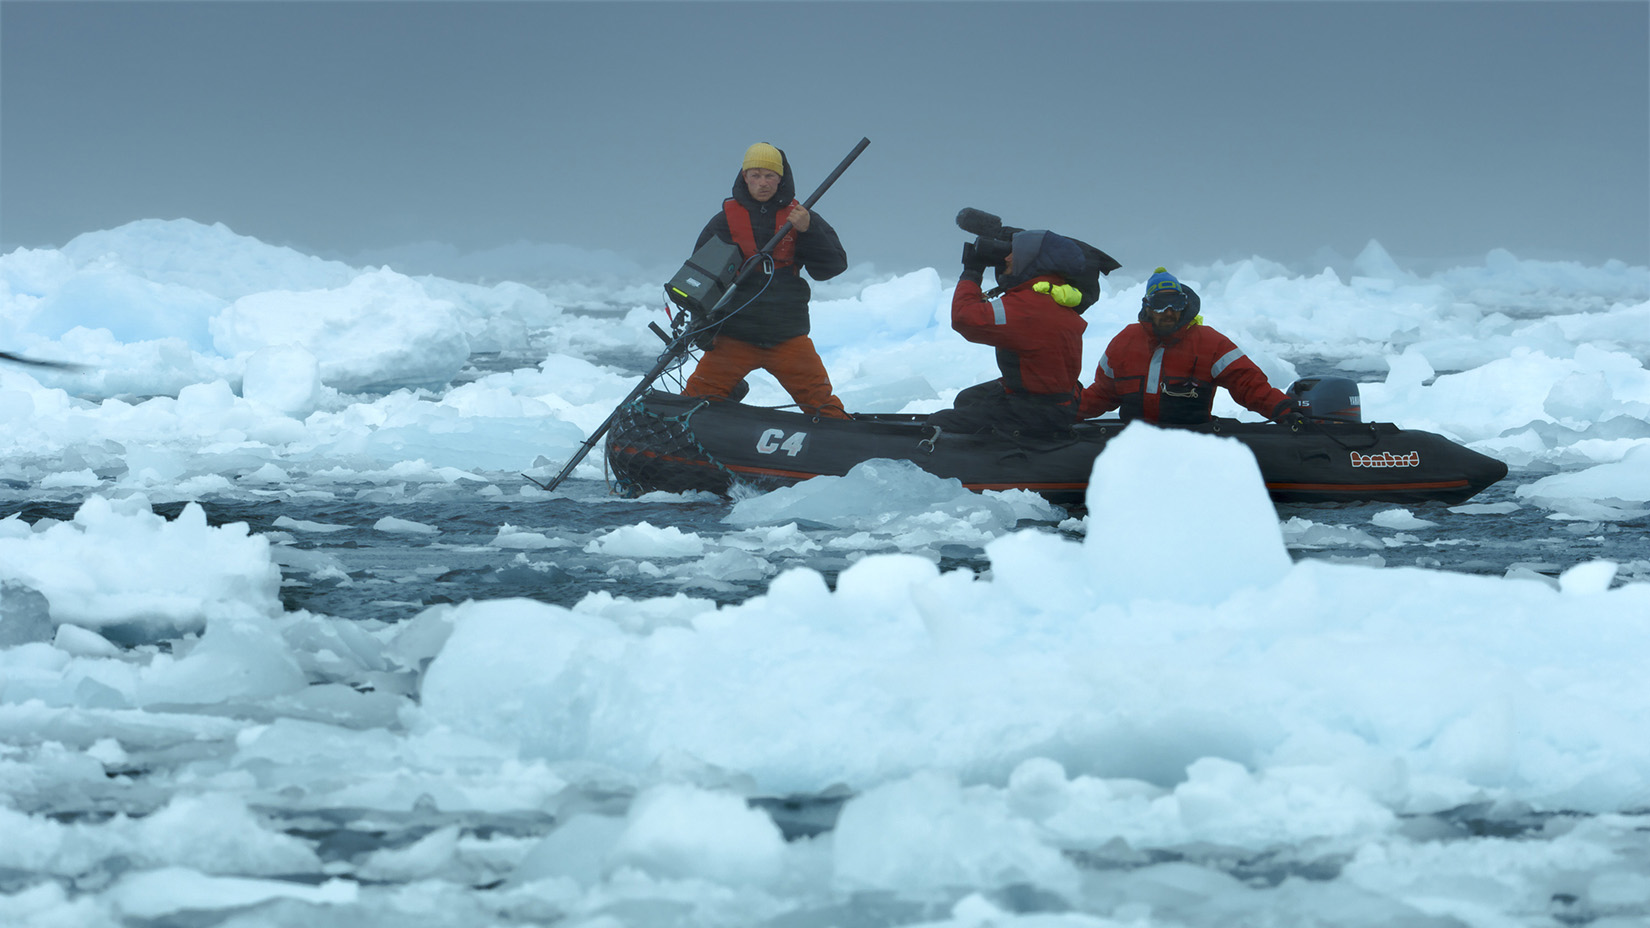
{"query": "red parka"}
(1172, 381)
(1039, 342)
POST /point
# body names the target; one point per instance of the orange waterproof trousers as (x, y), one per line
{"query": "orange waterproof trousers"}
(794, 363)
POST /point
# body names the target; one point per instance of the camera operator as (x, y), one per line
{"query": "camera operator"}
(1032, 319)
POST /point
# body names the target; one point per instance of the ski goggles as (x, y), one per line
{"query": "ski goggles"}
(1166, 301)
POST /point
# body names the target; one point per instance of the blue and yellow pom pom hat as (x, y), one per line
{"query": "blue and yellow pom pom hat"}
(1159, 281)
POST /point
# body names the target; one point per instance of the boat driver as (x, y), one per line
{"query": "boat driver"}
(1164, 368)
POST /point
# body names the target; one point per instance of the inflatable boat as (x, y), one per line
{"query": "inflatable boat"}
(663, 441)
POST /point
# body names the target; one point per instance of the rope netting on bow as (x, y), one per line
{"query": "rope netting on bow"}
(647, 451)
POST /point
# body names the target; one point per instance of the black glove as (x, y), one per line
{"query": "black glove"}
(973, 265)
(1287, 413)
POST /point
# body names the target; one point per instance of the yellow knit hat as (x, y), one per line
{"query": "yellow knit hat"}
(763, 155)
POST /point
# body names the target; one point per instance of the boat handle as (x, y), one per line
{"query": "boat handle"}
(927, 444)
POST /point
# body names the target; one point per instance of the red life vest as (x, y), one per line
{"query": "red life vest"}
(739, 224)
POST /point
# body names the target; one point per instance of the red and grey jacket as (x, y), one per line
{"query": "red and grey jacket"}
(1172, 381)
(779, 312)
(1039, 342)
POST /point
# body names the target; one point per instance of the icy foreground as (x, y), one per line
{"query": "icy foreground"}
(1151, 718)
(1124, 660)
(1039, 733)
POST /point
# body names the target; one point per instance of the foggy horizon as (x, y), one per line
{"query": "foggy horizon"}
(1162, 133)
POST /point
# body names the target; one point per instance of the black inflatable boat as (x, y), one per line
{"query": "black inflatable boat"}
(663, 441)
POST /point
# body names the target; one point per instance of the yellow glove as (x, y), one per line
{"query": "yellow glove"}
(1064, 294)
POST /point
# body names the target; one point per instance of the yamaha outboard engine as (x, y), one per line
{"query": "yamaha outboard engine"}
(1327, 399)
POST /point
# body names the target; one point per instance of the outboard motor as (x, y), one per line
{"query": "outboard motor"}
(1327, 399)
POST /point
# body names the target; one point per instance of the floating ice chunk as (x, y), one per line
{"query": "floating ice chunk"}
(72, 478)
(284, 378)
(316, 562)
(515, 539)
(507, 668)
(1527, 572)
(579, 849)
(267, 474)
(683, 831)
(209, 257)
(156, 894)
(427, 857)
(927, 833)
(47, 905)
(732, 565)
(119, 566)
(1400, 519)
(108, 752)
(1304, 533)
(404, 527)
(1586, 510)
(1591, 577)
(82, 642)
(25, 616)
(646, 614)
(1486, 509)
(1618, 491)
(788, 539)
(217, 833)
(890, 496)
(1159, 496)
(13, 527)
(302, 525)
(1223, 802)
(645, 539)
(235, 661)
(380, 329)
(1580, 398)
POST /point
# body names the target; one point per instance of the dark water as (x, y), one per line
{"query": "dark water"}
(1526, 539)
(361, 572)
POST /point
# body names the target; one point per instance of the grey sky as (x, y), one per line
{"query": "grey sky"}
(1161, 132)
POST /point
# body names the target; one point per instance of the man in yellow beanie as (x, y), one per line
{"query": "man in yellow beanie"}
(766, 327)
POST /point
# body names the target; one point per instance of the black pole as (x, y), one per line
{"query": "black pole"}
(37, 362)
(679, 347)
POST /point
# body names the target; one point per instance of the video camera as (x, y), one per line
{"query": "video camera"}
(993, 241)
